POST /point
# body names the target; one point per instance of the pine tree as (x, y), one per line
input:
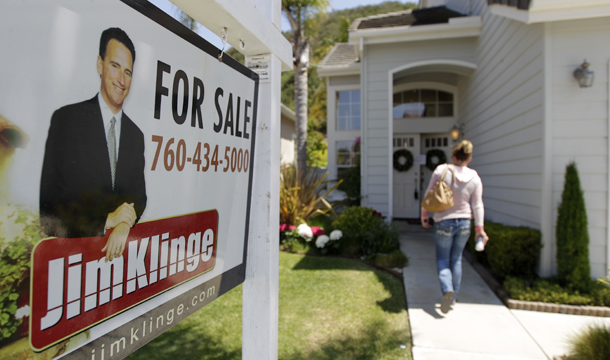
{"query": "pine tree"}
(572, 235)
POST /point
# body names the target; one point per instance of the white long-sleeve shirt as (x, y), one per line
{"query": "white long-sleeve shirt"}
(467, 195)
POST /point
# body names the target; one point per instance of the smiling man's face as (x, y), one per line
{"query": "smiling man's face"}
(115, 70)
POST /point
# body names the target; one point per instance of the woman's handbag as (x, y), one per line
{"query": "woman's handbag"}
(439, 198)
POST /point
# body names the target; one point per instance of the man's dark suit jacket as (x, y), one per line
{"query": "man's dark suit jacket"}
(76, 192)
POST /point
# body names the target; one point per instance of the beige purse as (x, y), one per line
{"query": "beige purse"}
(439, 198)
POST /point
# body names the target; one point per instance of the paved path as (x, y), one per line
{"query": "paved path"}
(479, 326)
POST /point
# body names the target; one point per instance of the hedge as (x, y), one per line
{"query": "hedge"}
(511, 251)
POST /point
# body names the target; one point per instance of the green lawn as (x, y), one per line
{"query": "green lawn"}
(329, 308)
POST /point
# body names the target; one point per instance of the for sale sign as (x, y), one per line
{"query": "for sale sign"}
(126, 152)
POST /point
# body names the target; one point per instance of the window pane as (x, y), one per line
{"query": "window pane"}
(342, 123)
(410, 96)
(422, 103)
(344, 97)
(445, 96)
(397, 98)
(428, 96)
(348, 110)
(343, 159)
(430, 110)
(356, 123)
(445, 109)
(343, 110)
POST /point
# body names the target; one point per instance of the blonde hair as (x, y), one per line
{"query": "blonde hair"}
(462, 150)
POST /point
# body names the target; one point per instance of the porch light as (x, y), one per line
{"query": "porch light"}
(584, 75)
(456, 131)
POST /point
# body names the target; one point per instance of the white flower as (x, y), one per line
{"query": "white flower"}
(305, 232)
(22, 312)
(321, 241)
(336, 235)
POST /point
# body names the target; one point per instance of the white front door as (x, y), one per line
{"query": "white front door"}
(434, 142)
(406, 197)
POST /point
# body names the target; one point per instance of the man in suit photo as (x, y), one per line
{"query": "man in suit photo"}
(92, 178)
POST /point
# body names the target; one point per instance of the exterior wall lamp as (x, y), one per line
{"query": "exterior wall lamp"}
(456, 131)
(584, 75)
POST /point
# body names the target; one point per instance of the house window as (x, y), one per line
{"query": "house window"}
(348, 110)
(422, 103)
(348, 154)
(436, 142)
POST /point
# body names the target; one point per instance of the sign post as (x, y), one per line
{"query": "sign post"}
(132, 175)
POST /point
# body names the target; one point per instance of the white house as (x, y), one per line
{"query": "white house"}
(288, 134)
(501, 71)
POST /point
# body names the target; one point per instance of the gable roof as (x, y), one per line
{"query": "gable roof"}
(519, 4)
(426, 16)
(343, 57)
(342, 54)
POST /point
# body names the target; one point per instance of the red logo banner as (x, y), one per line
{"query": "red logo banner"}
(74, 288)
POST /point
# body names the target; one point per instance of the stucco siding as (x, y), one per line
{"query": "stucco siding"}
(502, 108)
(580, 124)
(381, 59)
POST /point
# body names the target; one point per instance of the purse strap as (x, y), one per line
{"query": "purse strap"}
(445, 173)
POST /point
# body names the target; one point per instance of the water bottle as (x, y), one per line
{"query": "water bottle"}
(480, 244)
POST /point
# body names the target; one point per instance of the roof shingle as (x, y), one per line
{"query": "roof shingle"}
(427, 16)
(342, 54)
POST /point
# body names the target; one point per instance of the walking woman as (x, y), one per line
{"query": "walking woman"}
(452, 226)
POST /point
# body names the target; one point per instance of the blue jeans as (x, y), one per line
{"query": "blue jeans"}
(450, 238)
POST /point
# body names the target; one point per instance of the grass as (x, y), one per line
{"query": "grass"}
(329, 308)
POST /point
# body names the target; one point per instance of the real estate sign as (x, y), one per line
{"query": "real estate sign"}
(126, 152)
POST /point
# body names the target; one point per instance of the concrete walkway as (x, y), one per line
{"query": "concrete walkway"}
(479, 326)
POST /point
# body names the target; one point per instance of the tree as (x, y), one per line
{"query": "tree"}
(298, 13)
(573, 267)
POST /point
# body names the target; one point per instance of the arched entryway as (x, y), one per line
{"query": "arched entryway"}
(423, 107)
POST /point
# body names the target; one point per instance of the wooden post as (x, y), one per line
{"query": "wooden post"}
(260, 290)
(254, 29)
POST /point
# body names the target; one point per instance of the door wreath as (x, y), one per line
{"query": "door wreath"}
(434, 158)
(408, 160)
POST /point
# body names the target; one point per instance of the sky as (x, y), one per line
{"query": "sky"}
(171, 9)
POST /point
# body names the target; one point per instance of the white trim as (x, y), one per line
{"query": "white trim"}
(425, 85)
(334, 135)
(390, 147)
(364, 133)
(545, 11)
(608, 204)
(288, 113)
(546, 206)
(245, 23)
(469, 67)
(469, 26)
(352, 69)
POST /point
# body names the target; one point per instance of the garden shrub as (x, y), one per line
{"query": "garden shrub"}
(15, 269)
(395, 259)
(365, 232)
(592, 343)
(573, 267)
(550, 290)
(303, 198)
(511, 250)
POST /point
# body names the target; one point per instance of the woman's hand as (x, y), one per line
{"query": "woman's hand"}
(425, 222)
(483, 235)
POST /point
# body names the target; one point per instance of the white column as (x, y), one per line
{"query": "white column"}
(260, 289)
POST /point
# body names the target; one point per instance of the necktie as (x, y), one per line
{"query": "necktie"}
(112, 150)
